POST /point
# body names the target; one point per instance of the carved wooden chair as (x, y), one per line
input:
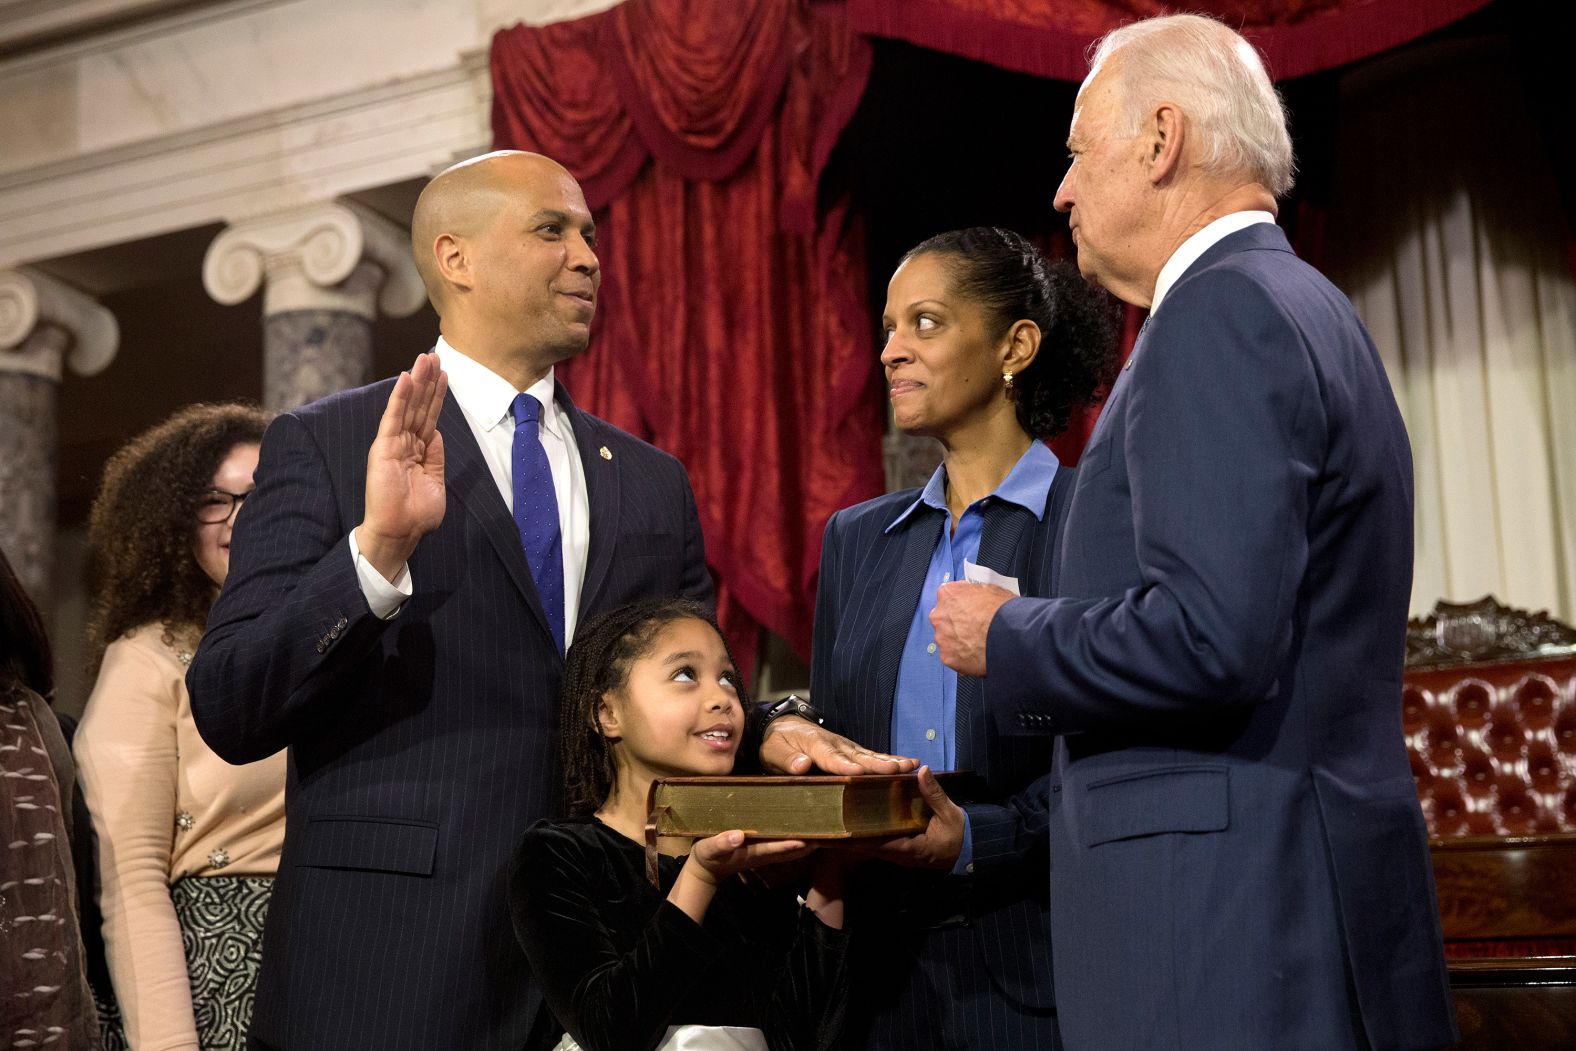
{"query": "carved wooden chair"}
(1489, 713)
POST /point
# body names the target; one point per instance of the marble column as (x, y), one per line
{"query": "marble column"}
(44, 325)
(326, 270)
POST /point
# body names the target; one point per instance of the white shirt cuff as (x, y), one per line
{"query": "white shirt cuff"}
(383, 598)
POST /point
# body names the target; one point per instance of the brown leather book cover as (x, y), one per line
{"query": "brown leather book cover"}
(814, 807)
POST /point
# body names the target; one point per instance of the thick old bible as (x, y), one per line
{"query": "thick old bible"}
(789, 807)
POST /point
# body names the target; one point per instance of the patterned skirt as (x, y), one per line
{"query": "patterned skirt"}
(221, 921)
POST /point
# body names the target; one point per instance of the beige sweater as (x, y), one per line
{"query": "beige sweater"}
(164, 807)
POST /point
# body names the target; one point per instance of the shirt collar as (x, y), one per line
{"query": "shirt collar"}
(1188, 251)
(487, 398)
(1027, 485)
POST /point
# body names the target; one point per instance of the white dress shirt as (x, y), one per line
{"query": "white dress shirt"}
(486, 400)
(1188, 251)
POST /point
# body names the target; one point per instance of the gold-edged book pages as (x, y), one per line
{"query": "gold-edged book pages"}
(817, 807)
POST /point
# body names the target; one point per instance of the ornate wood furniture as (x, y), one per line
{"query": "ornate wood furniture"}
(1489, 713)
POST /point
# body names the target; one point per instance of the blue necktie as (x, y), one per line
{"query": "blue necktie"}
(536, 512)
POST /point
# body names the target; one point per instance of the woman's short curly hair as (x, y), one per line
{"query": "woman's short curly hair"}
(143, 523)
(598, 664)
(1003, 272)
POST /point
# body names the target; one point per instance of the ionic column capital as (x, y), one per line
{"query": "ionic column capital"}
(331, 256)
(45, 323)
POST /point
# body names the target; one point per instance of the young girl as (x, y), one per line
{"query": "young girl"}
(706, 961)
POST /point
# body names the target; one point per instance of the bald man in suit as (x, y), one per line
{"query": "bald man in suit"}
(404, 580)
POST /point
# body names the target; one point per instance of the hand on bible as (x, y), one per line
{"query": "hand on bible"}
(961, 621)
(797, 746)
(937, 847)
(405, 489)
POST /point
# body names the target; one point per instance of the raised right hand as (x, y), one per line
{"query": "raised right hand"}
(405, 489)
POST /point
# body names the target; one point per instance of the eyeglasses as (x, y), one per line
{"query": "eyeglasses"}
(217, 505)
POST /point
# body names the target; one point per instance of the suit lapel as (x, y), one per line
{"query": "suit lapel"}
(468, 479)
(1004, 548)
(1118, 389)
(918, 538)
(1002, 537)
(603, 499)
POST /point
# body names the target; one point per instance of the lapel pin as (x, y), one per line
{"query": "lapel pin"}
(1130, 359)
(606, 453)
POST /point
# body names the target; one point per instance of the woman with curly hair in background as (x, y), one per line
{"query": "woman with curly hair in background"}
(187, 845)
(989, 350)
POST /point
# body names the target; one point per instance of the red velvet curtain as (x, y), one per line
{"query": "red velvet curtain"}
(1048, 39)
(733, 328)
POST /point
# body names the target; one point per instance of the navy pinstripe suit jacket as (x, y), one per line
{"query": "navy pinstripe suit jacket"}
(869, 587)
(1239, 860)
(420, 747)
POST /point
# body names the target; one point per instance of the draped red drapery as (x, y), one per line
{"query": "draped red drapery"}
(1051, 39)
(733, 330)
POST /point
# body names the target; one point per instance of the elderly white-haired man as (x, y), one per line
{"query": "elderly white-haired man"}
(1238, 855)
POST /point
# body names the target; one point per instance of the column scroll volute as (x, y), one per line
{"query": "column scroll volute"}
(322, 243)
(46, 324)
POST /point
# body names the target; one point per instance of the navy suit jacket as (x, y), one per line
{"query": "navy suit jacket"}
(869, 588)
(421, 747)
(1238, 855)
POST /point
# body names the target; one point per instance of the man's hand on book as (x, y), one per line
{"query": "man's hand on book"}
(937, 847)
(797, 746)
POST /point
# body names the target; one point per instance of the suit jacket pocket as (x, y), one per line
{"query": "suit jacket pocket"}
(1149, 802)
(378, 844)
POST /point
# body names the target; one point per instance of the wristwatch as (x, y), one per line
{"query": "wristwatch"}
(792, 704)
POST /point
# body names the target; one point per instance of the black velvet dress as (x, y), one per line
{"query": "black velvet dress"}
(618, 963)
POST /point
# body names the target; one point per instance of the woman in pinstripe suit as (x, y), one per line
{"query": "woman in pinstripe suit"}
(989, 349)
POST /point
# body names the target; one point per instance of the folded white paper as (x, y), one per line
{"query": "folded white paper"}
(976, 574)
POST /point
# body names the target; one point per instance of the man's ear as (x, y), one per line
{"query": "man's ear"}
(453, 259)
(1167, 134)
(607, 718)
